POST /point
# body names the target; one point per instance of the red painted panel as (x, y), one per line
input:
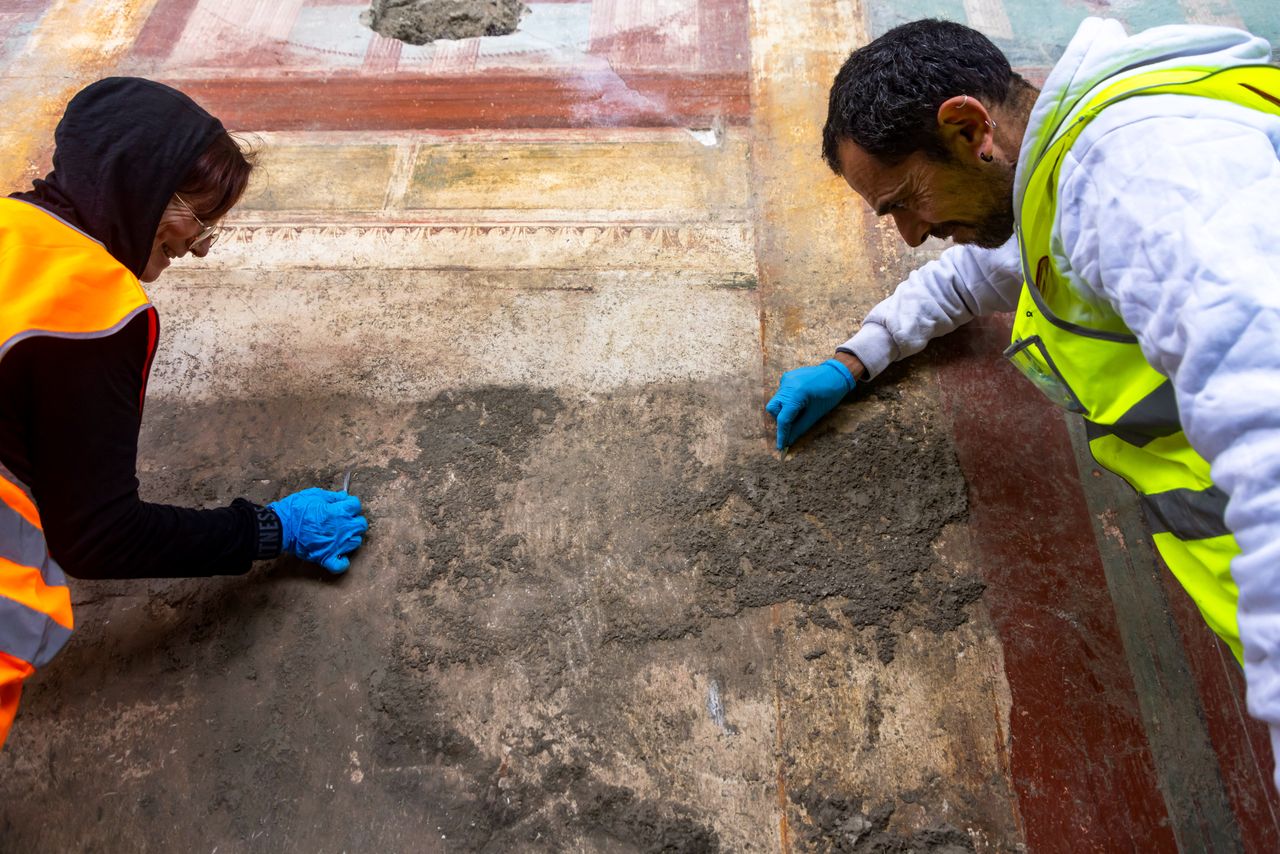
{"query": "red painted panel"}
(1081, 764)
(1242, 743)
(364, 4)
(27, 8)
(163, 29)
(724, 36)
(382, 56)
(350, 102)
(632, 36)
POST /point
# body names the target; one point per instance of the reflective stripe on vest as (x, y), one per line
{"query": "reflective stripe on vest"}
(1078, 351)
(15, 496)
(1188, 514)
(1152, 417)
(55, 281)
(35, 603)
(29, 635)
(23, 543)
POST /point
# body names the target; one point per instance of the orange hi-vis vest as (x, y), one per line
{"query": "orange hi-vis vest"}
(58, 282)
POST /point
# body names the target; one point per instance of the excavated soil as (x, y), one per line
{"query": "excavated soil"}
(849, 522)
(421, 21)
(533, 561)
(834, 823)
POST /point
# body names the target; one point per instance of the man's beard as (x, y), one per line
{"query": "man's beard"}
(995, 227)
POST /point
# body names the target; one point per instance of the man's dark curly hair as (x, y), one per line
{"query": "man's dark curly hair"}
(886, 95)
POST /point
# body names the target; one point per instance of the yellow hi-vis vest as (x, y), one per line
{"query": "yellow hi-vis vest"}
(58, 282)
(1078, 351)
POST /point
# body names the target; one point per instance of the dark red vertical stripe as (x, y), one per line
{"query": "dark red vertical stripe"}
(1082, 768)
(163, 28)
(724, 40)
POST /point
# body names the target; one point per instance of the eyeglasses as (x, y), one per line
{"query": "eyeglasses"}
(207, 232)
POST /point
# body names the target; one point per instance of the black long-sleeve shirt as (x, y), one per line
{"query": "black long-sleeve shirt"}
(70, 409)
(70, 415)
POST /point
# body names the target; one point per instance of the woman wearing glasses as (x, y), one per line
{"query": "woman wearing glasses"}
(141, 175)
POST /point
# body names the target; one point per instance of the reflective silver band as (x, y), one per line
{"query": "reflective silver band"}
(1188, 514)
(1156, 414)
(9, 476)
(24, 543)
(1153, 417)
(29, 635)
(78, 336)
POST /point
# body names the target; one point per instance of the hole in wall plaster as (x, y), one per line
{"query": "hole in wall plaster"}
(710, 136)
(421, 21)
(706, 136)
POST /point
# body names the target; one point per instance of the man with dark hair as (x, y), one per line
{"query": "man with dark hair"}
(1126, 215)
(886, 96)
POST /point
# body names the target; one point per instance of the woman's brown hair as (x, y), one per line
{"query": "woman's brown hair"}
(218, 178)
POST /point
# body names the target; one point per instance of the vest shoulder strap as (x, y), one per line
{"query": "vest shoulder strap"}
(55, 280)
(1253, 86)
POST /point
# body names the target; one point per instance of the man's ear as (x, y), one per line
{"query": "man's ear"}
(966, 128)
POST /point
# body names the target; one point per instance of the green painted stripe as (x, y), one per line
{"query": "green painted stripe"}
(1199, 808)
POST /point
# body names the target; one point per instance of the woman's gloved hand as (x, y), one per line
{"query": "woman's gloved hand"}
(321, 526)
(805, 395)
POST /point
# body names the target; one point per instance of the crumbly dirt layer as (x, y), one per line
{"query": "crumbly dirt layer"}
(834, 823)
(423, 21)
(521, 655)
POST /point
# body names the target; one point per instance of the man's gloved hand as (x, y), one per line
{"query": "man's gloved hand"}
(805, 395)
(320, 526)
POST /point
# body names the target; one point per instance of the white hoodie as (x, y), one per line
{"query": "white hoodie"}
(1169, 209)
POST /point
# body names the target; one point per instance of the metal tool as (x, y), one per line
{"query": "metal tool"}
(346, 480)
(782, 458)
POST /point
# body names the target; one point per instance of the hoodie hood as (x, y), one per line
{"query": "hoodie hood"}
(122, 148)
(1101, 52)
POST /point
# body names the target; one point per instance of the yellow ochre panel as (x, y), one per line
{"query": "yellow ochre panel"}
(684, 175)
(322, 177)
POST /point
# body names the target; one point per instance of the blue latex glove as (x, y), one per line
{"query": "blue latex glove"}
(805, 395)
(321, 526)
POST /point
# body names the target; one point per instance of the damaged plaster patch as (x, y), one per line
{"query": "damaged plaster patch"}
(833, 823)
(604, 499)
(533, 559)
(524, 486)
(419, 22)
(558, 534)
(851, 521)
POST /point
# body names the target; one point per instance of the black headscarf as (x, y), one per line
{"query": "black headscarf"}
(122, 148)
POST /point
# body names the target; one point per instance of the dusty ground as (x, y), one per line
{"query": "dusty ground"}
(537, 289)
(543, 572)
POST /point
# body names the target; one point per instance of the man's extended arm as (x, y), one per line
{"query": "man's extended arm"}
(963, 283)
